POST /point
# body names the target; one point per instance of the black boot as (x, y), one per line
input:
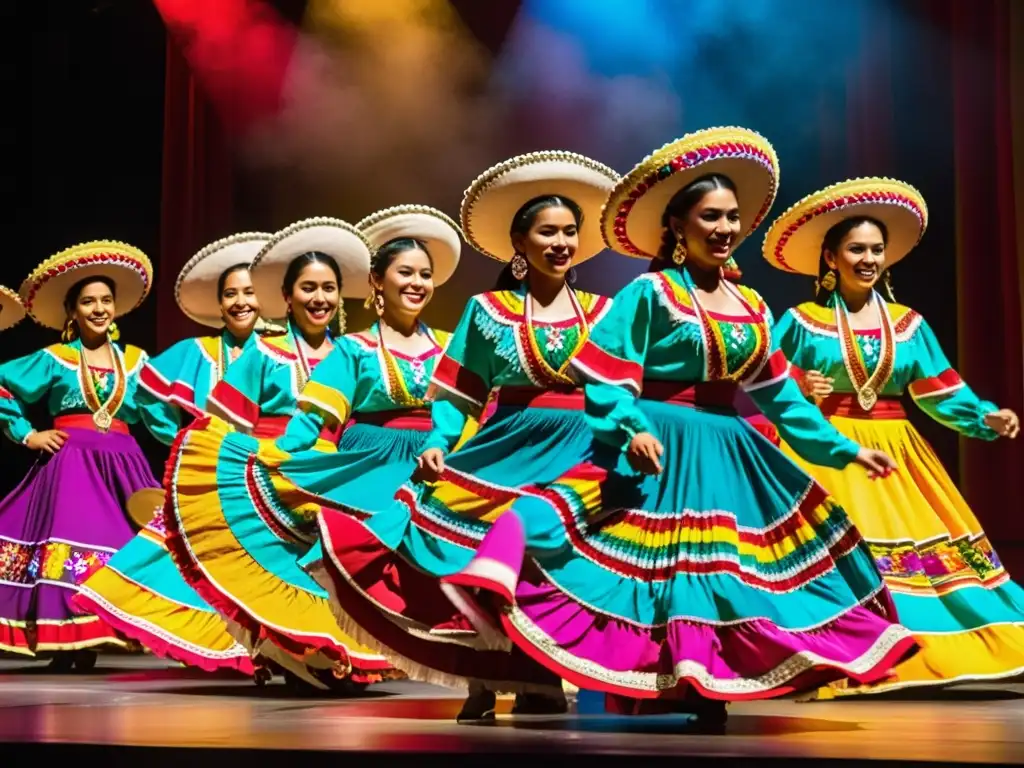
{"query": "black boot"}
(478, 708)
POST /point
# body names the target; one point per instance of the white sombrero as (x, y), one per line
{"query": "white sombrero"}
(11, 310)
(332, 237)
(437, 232)
(495, 197)
(196, 287)
(631, 220)
(793, 242)
(44, 290)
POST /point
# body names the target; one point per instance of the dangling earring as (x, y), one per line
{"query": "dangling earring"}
(519, 267)
(113, 332)
(370, 299)
(679, 253)
(68, 334)
(887, 280)
(571, 277)
(828, 282)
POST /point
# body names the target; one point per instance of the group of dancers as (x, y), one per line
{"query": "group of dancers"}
(562, 490)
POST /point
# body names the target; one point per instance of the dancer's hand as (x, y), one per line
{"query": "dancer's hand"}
(644, 453)
(877, 463)
(1005, 423)
(430, 465)
(816, 385)
(49, 440)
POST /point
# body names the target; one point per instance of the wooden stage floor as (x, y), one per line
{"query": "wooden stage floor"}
(143, 712)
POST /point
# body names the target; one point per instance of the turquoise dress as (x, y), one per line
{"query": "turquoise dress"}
(224, 529)
(141, 592)
(385, 571)
(380, 394)
(731, 573)
(948, 583)
(66, 518)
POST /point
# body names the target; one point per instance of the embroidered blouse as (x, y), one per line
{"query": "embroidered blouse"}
(180, 378)
(658, 331)
(58, 373)
(361, 376)
(497, 343)
(903, 351)
(265, 381)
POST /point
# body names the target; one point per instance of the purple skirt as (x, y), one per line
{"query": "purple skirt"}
(62, 523)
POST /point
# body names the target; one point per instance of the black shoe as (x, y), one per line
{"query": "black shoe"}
(477, 708)
(540, 704)
(84, 661)
(62, 662)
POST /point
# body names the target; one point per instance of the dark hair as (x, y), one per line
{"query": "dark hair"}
(831, 242)
(524, 219)
(226, 273)
(71, 297)
(386, 254)
(299, 263)
(679, 206)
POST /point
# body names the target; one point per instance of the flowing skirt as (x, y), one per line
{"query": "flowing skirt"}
(948, 584)
(238, 529)
(384, 570)
(142, 594)
(732, 573)
(58, 527)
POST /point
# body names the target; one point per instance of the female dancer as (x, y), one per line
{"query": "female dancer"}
(67, 518)
(244, 560)
(539, 214)
(703, 564)
(856, 354)
(140, 592)
(376, 380)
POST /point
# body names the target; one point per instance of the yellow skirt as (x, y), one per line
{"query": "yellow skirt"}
(949, 586)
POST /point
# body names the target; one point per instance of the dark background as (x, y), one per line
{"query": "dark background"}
(84, 133)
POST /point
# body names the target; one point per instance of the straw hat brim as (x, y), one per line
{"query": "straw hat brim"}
(494, 198)
(44, 290)
(333, 237)
(11, 310)
(144, 504)
(632, 219)
(196, 287)
(438, 232)
(794, 241)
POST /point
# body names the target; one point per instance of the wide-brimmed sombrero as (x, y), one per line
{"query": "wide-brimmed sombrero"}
(494, 198)
(11, 310)
(196, 287)
(793, 242)
(143, 505)
(44, 290)
(439, 233)
(332, 237)
(631, 220)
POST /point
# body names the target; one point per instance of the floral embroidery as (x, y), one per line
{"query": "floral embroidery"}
(938, 566)
(52, 560)
(554, 340)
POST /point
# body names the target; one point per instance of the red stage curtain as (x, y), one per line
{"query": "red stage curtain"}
(989, 269)
(197, 188)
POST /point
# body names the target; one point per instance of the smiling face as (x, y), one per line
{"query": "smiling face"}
(710, 228)
(550, 243)
(238, 303)
(859, 258)
(314, 297)
(94, 309)
(407, 284)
